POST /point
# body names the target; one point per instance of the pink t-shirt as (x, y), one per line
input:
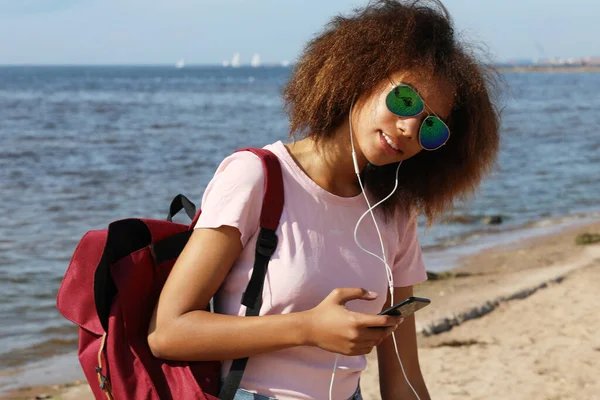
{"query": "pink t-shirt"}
(316, 253)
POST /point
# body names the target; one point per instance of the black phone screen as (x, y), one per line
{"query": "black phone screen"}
(407, 307)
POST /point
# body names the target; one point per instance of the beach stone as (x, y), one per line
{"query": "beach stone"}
(493, 220)
(438, 327)
(462, 274)
(458, 219)
(587, 238)
(43, 396)
(434, 276)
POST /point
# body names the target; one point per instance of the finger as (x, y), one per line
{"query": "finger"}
(344, 295)
(369, 320)
(376, 334)
(393, 322)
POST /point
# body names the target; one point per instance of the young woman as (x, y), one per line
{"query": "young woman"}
(387, 92)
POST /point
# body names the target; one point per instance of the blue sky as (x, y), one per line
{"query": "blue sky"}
(209, 31)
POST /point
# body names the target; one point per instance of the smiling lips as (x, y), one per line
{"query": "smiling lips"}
(390, 142)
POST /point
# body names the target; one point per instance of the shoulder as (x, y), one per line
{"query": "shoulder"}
(241, 169)
(235, 194)
(244, 163)
(238, 176)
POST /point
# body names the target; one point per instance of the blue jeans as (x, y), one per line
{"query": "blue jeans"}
(242, 394)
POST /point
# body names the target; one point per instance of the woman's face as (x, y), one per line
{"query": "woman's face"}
(382, 137)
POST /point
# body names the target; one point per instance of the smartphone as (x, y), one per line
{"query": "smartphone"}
(407, 307)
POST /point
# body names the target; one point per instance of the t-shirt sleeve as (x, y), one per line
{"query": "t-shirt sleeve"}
(408, 268)
(234, 196)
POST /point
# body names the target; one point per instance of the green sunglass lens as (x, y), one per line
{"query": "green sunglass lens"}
(404, 101)
(434, 133)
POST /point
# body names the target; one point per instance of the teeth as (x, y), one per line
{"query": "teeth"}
(389, 141)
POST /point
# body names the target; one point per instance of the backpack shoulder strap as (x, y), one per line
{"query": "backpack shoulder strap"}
(273, 199)
(265, 247)
(273, 191)
(269, 221)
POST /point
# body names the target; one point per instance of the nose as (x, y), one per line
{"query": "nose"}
(409, 127)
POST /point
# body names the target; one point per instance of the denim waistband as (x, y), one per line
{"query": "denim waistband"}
(242, 394)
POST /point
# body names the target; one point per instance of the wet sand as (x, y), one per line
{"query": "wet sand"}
(519, 321)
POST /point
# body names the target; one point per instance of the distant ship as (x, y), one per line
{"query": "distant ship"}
(235, 60)
(255, 60)
(180, 64)
(225, 63)
(285, 63)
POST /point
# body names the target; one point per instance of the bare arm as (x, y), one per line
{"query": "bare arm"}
(393, 386)
(181, 330)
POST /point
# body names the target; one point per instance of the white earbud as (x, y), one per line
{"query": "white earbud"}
(355, 161)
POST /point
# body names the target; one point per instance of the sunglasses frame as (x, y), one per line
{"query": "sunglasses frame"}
(419, 113)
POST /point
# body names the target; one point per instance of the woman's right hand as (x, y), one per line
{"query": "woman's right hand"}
(331, 326)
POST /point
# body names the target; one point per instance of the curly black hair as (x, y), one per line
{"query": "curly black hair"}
(356, 52)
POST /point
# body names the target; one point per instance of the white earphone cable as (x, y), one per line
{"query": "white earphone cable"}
(389, 274)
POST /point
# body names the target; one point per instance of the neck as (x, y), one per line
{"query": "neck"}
(329, 162)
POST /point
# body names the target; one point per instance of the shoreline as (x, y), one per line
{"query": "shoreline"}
(442, 259)
(471, 235)
(502, 273)
(485, 284)
(549, 69)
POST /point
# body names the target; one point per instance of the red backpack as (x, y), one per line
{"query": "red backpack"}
(111, 288)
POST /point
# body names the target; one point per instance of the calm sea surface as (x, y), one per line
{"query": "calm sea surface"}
(82, 146)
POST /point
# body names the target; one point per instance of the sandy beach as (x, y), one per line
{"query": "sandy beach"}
(524, 325)
(518, 321)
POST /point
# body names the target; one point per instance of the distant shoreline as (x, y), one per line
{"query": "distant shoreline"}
(500, 68)
(550, 69)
